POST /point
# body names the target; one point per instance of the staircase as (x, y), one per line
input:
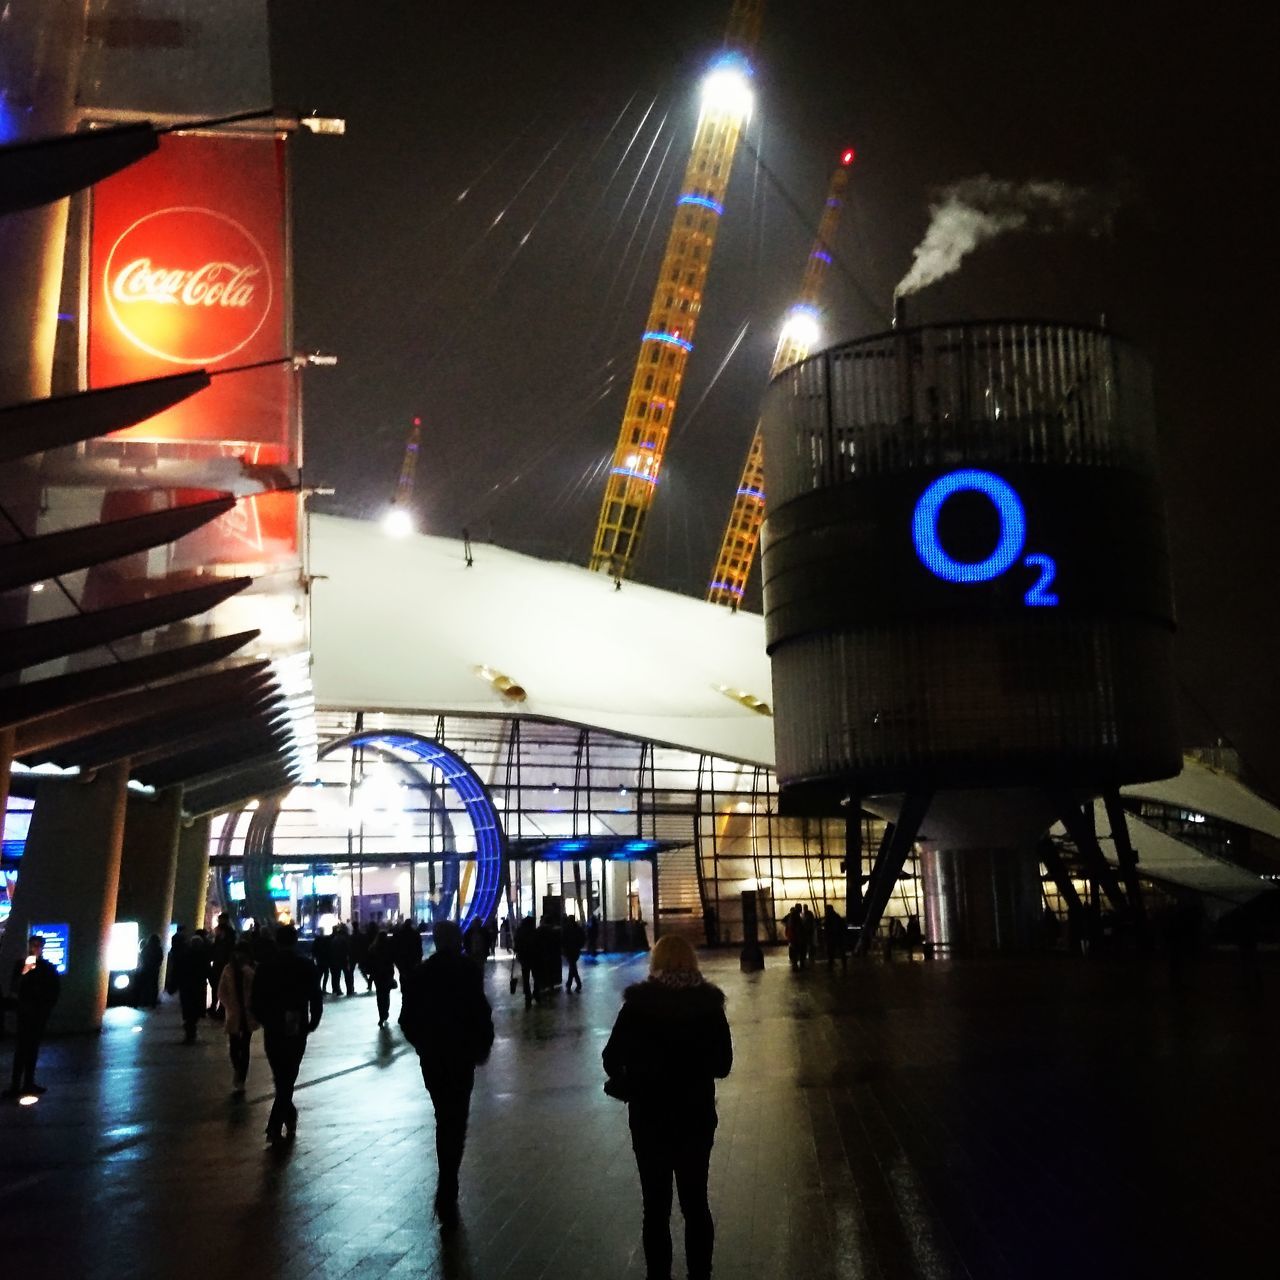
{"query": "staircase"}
(679, 900)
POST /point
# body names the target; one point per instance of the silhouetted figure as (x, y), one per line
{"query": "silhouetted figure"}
(406, 948)
(150, 962)
(235, 996)
(525, 946)
(322, 955)
(174, 967)
(35, 988)
(447, 1019)
(341, 973)
(193, 978)
(810, 935)
(504, 933)
(221, 946)
(833, 934)
(547, 969)
(711, 926)
(572, 938)
(477, 942)
(287, 1003)
(793, 930)
(593, 934)
(669, 1045)
(361, 941)
(382, 973)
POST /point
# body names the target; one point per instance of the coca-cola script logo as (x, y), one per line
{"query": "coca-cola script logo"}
(188, 285)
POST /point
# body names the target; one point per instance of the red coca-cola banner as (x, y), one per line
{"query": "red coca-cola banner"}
(187, 270)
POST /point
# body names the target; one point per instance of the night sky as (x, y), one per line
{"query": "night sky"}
(506, 350)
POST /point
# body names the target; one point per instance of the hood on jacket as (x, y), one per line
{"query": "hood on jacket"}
(704, 996)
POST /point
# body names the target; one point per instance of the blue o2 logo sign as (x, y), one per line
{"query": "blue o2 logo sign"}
(1009, 543)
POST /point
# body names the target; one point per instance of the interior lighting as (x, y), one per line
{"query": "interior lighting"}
(397, 523)
(120, 981)
(726, 88)
(801, 328)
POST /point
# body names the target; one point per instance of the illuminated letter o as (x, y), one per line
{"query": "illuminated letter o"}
(1013, 527)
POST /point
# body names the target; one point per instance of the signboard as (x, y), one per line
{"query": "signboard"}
(187, 270)
(1059, 541)
(57, 943)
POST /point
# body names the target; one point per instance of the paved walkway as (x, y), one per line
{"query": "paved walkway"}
(1018, 1118)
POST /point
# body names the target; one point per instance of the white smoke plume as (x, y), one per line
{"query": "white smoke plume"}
(970, 212)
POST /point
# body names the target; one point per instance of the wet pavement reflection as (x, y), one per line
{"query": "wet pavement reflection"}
(1027, 1117)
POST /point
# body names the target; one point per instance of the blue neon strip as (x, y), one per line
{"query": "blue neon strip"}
(670, 338)
(746, 492)
(820, 255)
(488, 830)
(724, 586)
(704, 201)
(635, 475)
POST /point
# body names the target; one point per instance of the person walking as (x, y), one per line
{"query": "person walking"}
(322, 956)
(150, 962)
(406, 948)
(526, 941)
(172, 970)
(833, 934)
(287, 1004)
(340, 968)
(593, 934)
(220, 951)
(193, 979)
(235, 993)
(669, 1046)
(572, 939)
(382, 973)
(447, 1019)
(36, 987)
(476, 942)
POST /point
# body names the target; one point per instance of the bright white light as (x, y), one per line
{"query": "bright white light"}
(120, 981)
(801, 329)
(726, 90)
(397, 523)
(122, 949)
(28, 1100)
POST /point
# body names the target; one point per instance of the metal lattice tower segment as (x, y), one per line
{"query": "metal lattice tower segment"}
(799, 335)
(677, 299)
(404, 485)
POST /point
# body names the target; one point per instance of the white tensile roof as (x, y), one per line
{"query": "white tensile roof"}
(406, 625)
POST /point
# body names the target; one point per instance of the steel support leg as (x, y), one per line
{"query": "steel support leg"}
(889, 863)
(1128, 859)
(1052, 860)
(1082, 834)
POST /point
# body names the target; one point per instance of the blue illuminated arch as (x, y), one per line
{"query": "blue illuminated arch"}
(490, 841)
(1013, 527)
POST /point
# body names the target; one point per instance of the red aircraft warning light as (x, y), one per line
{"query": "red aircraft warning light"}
(848, 156)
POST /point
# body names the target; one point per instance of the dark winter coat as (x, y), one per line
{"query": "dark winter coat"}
(526, 940)
(572, 939)
(286, 997)
(35, 993)
(445, 1015)
(668, 1048)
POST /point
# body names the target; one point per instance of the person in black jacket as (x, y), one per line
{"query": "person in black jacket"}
(572, 938)
(35, 991)
(286, 1002)
(445, 1016)
(526, 941)
(669, 1045)
(382, 973)
(193, 981)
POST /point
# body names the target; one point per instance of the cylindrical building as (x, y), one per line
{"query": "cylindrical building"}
(966, 578)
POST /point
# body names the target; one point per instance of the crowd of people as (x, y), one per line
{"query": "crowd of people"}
(668, 1046)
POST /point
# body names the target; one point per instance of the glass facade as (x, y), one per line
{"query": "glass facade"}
(594, 821)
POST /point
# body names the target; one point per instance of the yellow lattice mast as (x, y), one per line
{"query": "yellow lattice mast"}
(677, 299)
(799, 336)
